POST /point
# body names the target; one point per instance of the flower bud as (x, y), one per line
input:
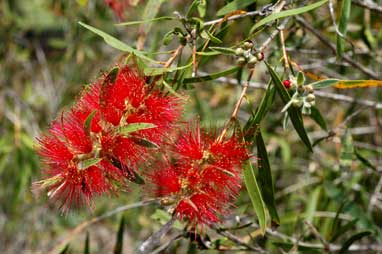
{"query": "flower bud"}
(241, 61)
(297, 103)
(309, 88)
(239, 51)
(310, 97)
(260, 56)
(248, 45)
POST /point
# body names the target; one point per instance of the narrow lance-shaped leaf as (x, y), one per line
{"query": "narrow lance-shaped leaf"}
(87, 244)
(119, 242)
(211, 76)
(318, 118)
(352, 239)
(255, 195)
(145, 21)
(233, 6)
(342, 26)
(287, 13)
(133, 127)
(293, 112)
(88, 121)
(347, 150)
(265, 179)
(253, 123)
(88, 163)
(115, 43)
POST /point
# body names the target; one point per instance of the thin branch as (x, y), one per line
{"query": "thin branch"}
(237, 240)
(154, 240)
(368, 4)
(327, 95)
(237, 106)
(58, 247)
(332, 47)
(177, 52)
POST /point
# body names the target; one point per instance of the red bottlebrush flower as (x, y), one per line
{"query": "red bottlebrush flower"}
(203, 176)
(75, 172)
(119, 6)
(87, 152)
(125, 99)
(287, 83)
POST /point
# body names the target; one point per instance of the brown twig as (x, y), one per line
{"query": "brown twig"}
(237, 106)
(368, 4)
(177, 52)
(332, 47)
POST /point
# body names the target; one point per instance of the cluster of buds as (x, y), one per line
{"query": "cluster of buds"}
(303, 94)
(247, 55)
(96, 146)
(202, 175)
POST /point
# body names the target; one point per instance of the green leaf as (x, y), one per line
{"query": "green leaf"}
(149, 71)
(364, 161)
(89, 118)
(65, 250)
(145, 21)
(167, 38)
(287, 13)
(352, 239)
(324, 83)
(226, 51)
(172, 91)
(88, 163)
(318, 118)
(255, 195)
(208, 35)
(342, 26)
(151, 10)
(265, 179)
(202, 8)
(211, 76)
(347, 150)
(252, 124)
(312, 204)
(300, 78)
(144, 142)
(115, 43)
(341, 230)
(118, 248)
(233, 6)
(87, 244)
(293, 112)
(133, 127)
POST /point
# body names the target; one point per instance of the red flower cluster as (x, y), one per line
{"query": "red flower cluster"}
(98, 143)
(119, 6)
(203, 176)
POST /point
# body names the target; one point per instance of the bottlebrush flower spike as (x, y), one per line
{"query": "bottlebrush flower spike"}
(126, 99)
(202, 177)
(93, 147)
(75, 171)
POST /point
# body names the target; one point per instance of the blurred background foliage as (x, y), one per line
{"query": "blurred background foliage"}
(46, 57)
